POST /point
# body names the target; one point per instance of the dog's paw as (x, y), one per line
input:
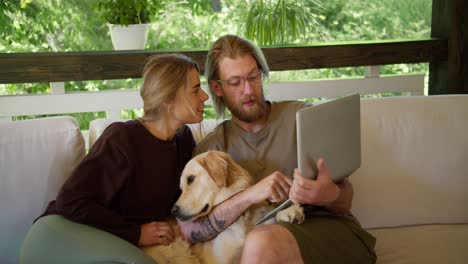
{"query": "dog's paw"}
(293, 214)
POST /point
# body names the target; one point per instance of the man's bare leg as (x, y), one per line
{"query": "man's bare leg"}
(271, 244)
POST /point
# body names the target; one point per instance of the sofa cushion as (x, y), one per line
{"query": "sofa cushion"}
(36, 156)
(414, 161)
(96, 127)
(422, 244)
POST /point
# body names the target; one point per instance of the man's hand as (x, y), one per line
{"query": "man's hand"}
(321, 191)
(156, 233)
(274, 188)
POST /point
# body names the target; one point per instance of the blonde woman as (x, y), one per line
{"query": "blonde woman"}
(129, 181)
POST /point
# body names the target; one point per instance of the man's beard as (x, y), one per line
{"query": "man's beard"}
(253, 114)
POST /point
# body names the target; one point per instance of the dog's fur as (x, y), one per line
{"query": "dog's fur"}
(207, 180)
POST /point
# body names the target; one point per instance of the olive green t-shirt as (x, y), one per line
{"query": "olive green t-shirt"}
(271, 149)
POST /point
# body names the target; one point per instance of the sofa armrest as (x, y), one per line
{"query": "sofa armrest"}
(54, 239)
(36, 157)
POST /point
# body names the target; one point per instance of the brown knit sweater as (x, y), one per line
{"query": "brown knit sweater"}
(128, 178)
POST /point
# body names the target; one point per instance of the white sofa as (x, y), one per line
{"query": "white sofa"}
(410, 191)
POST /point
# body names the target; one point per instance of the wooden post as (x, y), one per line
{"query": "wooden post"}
(449, 21)
(458, 48)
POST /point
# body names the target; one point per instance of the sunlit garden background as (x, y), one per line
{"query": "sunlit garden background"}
(75, 25)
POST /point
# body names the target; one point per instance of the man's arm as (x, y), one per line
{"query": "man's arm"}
(221, 217)
(274, 188)
(343, 203)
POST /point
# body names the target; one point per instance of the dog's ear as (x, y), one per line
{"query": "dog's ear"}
(234, 171)
(216, 164)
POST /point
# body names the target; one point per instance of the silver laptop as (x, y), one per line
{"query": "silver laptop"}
(331, 130)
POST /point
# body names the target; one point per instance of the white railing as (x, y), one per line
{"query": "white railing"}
(328, 89)
(113, 101)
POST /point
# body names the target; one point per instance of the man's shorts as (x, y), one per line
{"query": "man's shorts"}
(333, 239)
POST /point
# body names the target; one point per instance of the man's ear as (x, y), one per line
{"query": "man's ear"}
(216, 87)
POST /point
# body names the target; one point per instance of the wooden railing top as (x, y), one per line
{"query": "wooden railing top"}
(104, 65)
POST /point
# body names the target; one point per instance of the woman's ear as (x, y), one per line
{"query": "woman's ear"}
(167, 106)
(216, 87)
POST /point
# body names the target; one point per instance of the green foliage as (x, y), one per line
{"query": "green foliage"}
(74, 25)
(53, 25)
(125, 12)
(184, 29)
(209, 112)
(343, 20)
(198, 7)
(274, 22)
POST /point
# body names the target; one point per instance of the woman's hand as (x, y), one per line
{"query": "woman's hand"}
(155, 233)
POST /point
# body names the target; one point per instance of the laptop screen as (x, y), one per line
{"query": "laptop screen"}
(331, 130)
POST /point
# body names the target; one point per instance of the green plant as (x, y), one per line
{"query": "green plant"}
(125, 12)
(273, 22)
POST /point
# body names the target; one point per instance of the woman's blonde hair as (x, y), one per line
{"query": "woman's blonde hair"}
(230, 46)
(163, 75)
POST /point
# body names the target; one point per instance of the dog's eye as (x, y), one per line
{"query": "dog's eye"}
(190, 179)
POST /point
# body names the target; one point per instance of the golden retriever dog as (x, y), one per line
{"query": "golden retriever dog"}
(207, 180)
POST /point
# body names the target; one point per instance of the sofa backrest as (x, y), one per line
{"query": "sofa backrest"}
(36, 156)
(199, 130)
(414, 161)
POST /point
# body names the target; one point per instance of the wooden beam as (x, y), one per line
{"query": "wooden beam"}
(356, 54)
(76, 66)
(104, 65)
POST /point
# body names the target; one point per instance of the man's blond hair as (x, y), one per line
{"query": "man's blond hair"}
(230, 46)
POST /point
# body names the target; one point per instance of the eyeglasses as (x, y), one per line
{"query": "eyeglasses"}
(254, 79)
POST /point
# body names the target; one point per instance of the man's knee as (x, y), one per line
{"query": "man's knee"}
(269, 238)
(259, 245)
(271, 244)
(259, 237)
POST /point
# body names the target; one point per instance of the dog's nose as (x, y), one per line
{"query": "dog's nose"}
(175, 209)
